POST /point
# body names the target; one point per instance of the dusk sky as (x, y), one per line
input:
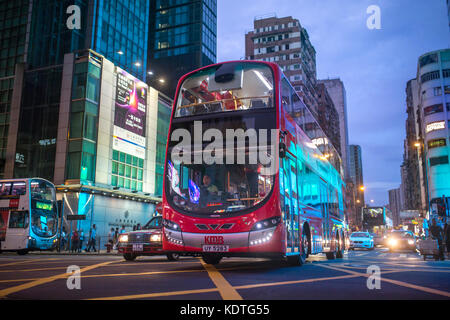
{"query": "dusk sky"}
(374, 65)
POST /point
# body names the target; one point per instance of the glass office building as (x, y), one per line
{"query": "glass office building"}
(183, 36)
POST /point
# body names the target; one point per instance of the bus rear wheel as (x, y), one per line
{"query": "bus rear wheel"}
(173, 256)
(212, 258)
(22, 252)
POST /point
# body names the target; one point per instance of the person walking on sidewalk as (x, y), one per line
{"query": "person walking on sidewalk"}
(447, 238)
(81, 235)
(92, 236)
(75, 240)
(437, 234)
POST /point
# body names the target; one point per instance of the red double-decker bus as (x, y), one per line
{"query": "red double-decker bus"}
(222, 197)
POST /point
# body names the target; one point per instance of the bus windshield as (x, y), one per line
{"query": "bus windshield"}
(226, 87)
(227, 187)
(44, 220)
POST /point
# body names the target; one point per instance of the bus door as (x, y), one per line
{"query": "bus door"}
(290, 195)
(324, 207)
(17, 230)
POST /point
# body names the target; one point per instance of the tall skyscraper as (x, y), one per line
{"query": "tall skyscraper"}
(285, 42)
(336, 90)
(356, 177)
(395, 205)
(356, 170)
(77, 110)
(182, 38)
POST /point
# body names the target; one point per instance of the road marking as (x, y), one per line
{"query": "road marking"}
(403, 256)
(396, 282)
(158, 294)
(25, 261)
(8, 291)
(226, 290)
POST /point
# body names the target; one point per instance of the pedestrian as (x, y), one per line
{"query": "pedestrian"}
(81, 235)
(134, 228)
(447, 238)
(138, 227)
(111, 236)
(63, 239)
(122, 230)
(116, 238)
(437, 233)
(92, 236)
(75, 240)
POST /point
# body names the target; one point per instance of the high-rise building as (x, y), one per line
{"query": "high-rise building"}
(182, 38)
(336, 90)
(356, 171)
(86, 122)
(433, 72)
(328, 117)
(285, 42)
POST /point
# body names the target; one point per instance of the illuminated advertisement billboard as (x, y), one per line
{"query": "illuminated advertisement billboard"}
(130, 115)
(373, 217)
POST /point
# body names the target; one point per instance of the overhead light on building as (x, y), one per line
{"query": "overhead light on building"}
(137, 64)
(162, 80)
(150, 73)
(120, 52)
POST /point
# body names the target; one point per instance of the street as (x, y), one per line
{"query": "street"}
(404, 275)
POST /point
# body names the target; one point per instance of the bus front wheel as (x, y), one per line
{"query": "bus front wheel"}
(211, 258)
(331, 255)
(129, 256)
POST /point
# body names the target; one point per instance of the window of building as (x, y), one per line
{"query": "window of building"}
(127, 171)
(429, 76)
(438, 160)
(431, 58)
(437, 91)
(433, 109)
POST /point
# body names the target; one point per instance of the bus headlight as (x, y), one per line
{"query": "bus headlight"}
(123, 238)
(171, 225)
(266, 224)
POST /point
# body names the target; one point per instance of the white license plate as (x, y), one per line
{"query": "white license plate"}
(216, 248)
(138, 247)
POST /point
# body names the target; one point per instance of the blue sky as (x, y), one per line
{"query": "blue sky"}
(374, 65)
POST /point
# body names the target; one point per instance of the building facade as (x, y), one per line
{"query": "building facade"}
(81, 118)
(328, 116)
(182, 38)
(336, 90)
(285, 42)
(433, 76)
(395, 205)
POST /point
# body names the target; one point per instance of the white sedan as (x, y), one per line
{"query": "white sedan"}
(361, 240)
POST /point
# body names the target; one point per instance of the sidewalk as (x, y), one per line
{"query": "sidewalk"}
(82, 253)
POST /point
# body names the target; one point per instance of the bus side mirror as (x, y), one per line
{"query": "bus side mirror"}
(282, 150)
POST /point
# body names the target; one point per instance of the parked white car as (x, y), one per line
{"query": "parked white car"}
(361, 240)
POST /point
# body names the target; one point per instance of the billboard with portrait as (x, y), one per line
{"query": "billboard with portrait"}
(130, 115)
(374, 217)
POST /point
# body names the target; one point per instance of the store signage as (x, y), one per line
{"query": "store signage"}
(437, 143)
(435, 126)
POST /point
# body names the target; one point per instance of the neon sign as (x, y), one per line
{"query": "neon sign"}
(435, 126)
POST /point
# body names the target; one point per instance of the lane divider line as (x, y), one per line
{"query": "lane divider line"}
(5, 292)
(396, 282)
(227, 291)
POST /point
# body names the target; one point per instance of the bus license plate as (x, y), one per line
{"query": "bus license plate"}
(138, 247)
(216, 248)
